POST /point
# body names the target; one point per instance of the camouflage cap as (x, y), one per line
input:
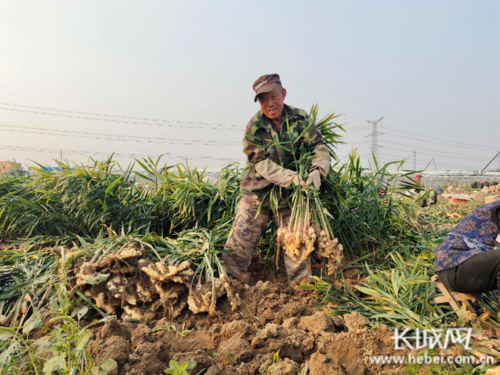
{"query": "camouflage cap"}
(265, 83)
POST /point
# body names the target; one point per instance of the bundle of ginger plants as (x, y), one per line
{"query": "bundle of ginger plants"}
(308, 231)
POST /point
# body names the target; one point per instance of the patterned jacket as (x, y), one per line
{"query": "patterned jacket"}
(259, 145)
(478, 231)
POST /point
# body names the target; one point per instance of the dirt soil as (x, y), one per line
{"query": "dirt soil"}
(273, 316)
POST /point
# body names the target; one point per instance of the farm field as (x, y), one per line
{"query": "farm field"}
(174, 200)
(99, 276)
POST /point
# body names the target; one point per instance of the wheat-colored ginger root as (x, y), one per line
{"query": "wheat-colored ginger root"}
(100, 294)
(86, 269)
(148, 311)
(200, 298)
(143, 288)
(234, 298)
(121, 289)
(181, 273)
(335, 260)
(128, 253)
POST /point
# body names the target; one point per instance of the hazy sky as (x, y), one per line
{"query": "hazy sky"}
(431, 68)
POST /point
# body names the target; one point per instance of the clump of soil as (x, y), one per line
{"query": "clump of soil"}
(273, 317)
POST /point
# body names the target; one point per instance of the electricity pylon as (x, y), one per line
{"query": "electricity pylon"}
(374, 136)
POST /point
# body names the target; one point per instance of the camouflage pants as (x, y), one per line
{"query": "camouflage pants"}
(244, 234)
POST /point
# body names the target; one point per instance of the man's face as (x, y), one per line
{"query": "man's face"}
(271, 103)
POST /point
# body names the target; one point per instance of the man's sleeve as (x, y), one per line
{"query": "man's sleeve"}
(253, 147)
(275, 173)
(313, 140)
(256, 153)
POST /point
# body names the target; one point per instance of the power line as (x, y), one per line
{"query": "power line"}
(394, 156)
(460, 166)
(440, 139)
(354, 143)
(398, 157)
(424, 153)
(128, 122)
(111, 137)
(123, 101)
(59, 151)
(398, 149)
(454, 165)
(455, 155)
(114, 116)
(357, 129)
(439, 143)
(78, 152)
(109, 118)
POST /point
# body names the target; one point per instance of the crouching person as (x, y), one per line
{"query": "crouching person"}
(468, 260)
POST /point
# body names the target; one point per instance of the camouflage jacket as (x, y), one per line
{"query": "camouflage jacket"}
(259, 145)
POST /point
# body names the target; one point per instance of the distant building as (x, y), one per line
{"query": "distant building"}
(10, 166)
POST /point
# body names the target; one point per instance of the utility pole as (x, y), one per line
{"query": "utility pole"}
(414, 160)
(374, 135)
(431, 161)
(427, 166)
(487, 165)
(61, 155)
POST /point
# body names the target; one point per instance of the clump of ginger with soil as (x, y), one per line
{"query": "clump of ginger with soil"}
(273, 317)
(139, 287)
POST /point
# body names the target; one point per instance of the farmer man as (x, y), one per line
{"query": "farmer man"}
(266, 166)
(468, 260)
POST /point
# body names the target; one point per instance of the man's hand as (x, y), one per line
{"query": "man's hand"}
(315, 179)
(297, 180)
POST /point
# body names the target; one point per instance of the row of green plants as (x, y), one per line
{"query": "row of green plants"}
(96, 206)
(82, 201)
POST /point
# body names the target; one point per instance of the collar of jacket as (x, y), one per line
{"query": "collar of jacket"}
(262, 121)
